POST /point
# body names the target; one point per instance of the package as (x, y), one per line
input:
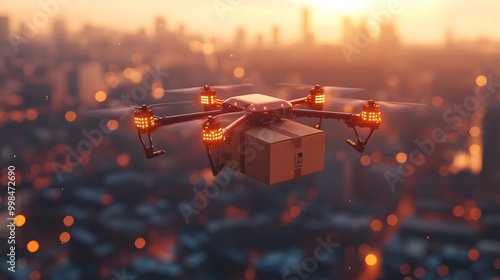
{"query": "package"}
(276, 152)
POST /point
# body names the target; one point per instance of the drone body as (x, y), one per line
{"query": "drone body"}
(262, 141)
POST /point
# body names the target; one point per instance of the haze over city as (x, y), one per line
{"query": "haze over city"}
(422, 22)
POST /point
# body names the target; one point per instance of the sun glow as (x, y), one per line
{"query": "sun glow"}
(343, 7)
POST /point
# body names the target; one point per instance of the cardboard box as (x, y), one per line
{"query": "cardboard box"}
(276, 152)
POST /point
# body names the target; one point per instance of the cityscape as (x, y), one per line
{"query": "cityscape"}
(421, 202)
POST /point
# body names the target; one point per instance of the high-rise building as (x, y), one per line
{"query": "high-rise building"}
(276, 37)
(4, 32)
(348, 30)
(160, 28)
(388, 38)
(307, 36)
(240, 39)
(491, 141)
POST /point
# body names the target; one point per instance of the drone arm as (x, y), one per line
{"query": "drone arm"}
(228, 131)
(348, 117)
(299, 101)
(352, 120)
(169, 120)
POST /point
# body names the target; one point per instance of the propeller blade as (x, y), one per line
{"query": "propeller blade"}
(385, 106)
(122, 112)
(341, 90)
(195, 125)
(197, 90)
(327, 89)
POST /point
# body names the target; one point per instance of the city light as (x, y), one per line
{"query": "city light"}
(101, 96)
(64, 237)
(481, 80)
(112, 125)
(140, 243)
(392, 220)
(371, 260)
(239, 72)
(70, 116)
(20, 220)
(68, 220)
(295, 211)
(376, 225)
(33, 246)
(401, 157)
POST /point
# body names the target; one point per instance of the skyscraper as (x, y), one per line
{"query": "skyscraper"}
(491, 141)
(275, 36)
(4, 32)
(160, 28)
(307, 36)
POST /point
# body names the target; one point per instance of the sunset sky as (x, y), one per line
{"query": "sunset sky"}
(419, 21)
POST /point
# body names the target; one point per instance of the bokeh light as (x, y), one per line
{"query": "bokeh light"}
(481, 80)
(371, 260)
(33, 246)
(68, 220)
(20, 220)
(101, 96)
(443, 270)
(419, 272)
(474, 149)
(401, 157)
(392, 220)
(64, 237)
(475, 131)
(437, 101)
(35, 275)
(475, 213)
(239, 72)
(376, 225)
(112, 125)
(70, 116)
(365, 160)
(295, 211)
(140, 243)
(123, 159)
(473, 254)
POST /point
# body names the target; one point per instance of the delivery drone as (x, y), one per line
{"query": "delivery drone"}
(258, 110)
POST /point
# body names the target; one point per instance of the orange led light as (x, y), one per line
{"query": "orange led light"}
(207, 100)
(319, 99)
(212, 133)
(144, 120)
(143, 123)
(371, 117)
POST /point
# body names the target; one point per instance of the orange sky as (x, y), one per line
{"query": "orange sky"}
(422, 21)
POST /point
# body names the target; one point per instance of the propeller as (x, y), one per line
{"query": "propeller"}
(197, 90)
(327, 89)
(122, 112)
(195, 125)
(385, 106)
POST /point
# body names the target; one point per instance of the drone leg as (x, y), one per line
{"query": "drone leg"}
(318, 125)
(359, 145)
(216, 168)
(149, 150)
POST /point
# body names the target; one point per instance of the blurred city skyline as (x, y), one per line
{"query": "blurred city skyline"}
(422, 22)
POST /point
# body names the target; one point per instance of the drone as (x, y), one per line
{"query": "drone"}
(256, 110)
